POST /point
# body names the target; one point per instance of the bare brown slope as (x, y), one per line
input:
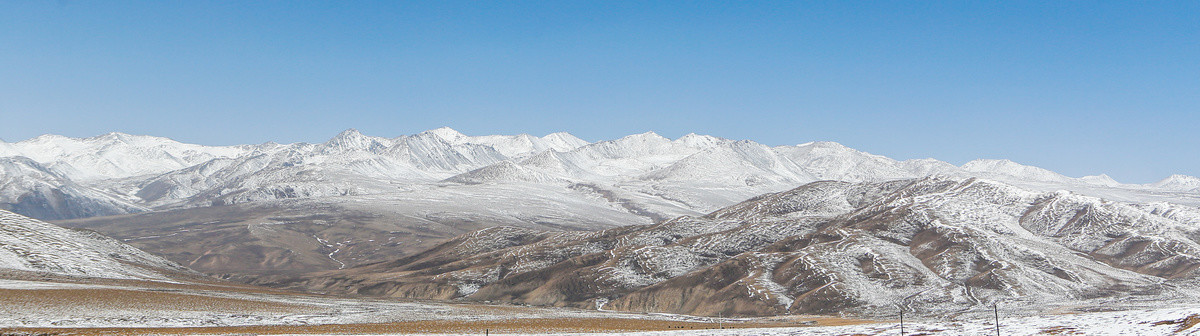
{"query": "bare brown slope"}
(935, 245)
(248, 241)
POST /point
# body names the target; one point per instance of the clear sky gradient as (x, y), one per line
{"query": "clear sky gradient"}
(1079, 87)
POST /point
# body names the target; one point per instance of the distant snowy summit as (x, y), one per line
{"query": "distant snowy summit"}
(1179, 183)
(54, 177)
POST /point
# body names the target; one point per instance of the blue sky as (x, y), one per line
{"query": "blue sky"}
(1079, 87)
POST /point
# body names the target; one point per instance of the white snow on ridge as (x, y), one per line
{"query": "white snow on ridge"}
(29, 187)
(1101, 180)
(1007, 167)
(115, 155)
(30, 245)
(514, 146)
(1179, 183)
(694, 172)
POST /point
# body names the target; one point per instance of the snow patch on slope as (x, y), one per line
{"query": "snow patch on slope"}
(30, 245)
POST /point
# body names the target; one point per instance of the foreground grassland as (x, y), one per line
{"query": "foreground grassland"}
(534, 325)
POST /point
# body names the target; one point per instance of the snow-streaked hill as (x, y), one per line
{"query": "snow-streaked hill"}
(934, 245)
(29, 188)
(30, 245)
(637, 179)
(1009, 168)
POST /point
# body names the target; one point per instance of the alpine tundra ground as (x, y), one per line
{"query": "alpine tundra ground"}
(149, 308)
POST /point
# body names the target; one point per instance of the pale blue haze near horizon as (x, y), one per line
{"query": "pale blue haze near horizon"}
(1077, 87)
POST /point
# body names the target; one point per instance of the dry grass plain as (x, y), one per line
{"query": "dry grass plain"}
(72, 300)
(132, 300)
(532, 325)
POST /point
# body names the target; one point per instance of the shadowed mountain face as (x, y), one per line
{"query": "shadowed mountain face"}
(931, 245)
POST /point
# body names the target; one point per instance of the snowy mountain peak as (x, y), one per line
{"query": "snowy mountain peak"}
(1102, 179)
(118, 136)
(564, 141)
(700, 141)
(47, 138)
(349, 133)
(648, 135)
(448, 134)
(116, 171)
(825, 144)
(1179, 182)
(831, 148)
(994, 165)
(114, 155)
(110, 138)
(642, 140)
(352, 139)
(1010, 168)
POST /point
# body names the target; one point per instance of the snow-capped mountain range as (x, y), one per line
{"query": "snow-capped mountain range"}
(56, 177)
(626, 224)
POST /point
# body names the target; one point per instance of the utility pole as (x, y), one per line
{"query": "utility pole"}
(901, 321)
(996, 313)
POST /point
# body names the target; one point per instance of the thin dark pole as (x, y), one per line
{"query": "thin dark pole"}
(901, 321)
(996, 313)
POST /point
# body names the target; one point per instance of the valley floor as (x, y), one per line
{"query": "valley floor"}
(156, 308)
(114, 307)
